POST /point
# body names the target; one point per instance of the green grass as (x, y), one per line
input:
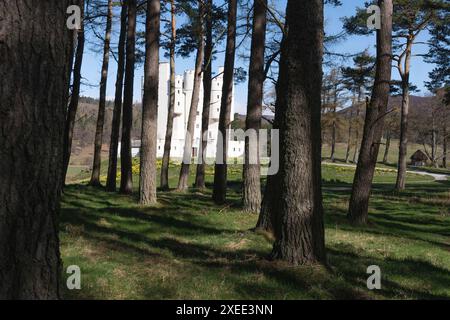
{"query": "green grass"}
(189, 248)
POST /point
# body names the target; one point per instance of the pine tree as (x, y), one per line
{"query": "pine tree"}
(111, 180)
(374, 121)
(220, 172)
(147, 182)
(299, 228)
(251, 175)
(126, 178)
(36, 61)
(98, 143)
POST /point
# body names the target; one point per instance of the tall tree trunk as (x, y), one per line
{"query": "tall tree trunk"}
(207, 90)
(73, 105)
(374, 121)
(388, 146)
(171, 111)
(126, 178)
(35, 48)
(252, 171)
(358, 115)
(111, 180)
(95, 177)
(220, 172)
(333, 132)
(299, 228)
(189, 139)
(444, 145)
(403, 146)
(350, 131)
(434, 147)
(267, 214)
(147, 190)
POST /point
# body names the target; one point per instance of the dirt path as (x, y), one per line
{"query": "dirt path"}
(437, 177)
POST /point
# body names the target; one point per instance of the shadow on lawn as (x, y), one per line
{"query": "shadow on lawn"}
(140, 232)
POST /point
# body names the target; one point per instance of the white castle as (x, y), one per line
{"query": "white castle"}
(183, 95)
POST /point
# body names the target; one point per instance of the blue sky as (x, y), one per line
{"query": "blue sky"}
(92, 61)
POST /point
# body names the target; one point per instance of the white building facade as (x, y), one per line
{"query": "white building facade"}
(183, 95)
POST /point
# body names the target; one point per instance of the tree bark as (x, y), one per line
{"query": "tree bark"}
(220, 172)
(444, 144)
(73, 105)
(333, 132)
(171, 111)
(299, 229)
(95, 177)
(147, 194)
(350, 130)
(252, 171)
(403, 147)
(126, 178)
(35, 46)
(188, 141)
(357, 142)
(374, 121)
(111, 181)
(388, 146)
(434, 147)
(207, 90)
(267, 214)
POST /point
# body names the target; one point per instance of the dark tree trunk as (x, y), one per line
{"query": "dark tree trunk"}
(220, 172)
(267, 214)
(35, 48)
(171, 111)
(350, 131)
(147, 190)
(73, 105)
(299, 228)
(373, 125)
(207, 89)
(126, 178)
(444, 145)
(403, 146)
(251, 175)
(111, 181)
(333, 132)
(358, 115)
(95, 177)
(387, 147)
(434, 147)
(188, 141)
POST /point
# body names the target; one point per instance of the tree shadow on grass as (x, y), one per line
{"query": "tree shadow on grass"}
(251, 275)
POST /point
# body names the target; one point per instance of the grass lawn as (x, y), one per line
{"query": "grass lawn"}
(189, 248)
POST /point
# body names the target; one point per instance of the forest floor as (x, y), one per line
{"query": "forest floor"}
(188, 248)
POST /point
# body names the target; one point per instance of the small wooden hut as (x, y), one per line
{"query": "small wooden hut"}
(419, 159)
